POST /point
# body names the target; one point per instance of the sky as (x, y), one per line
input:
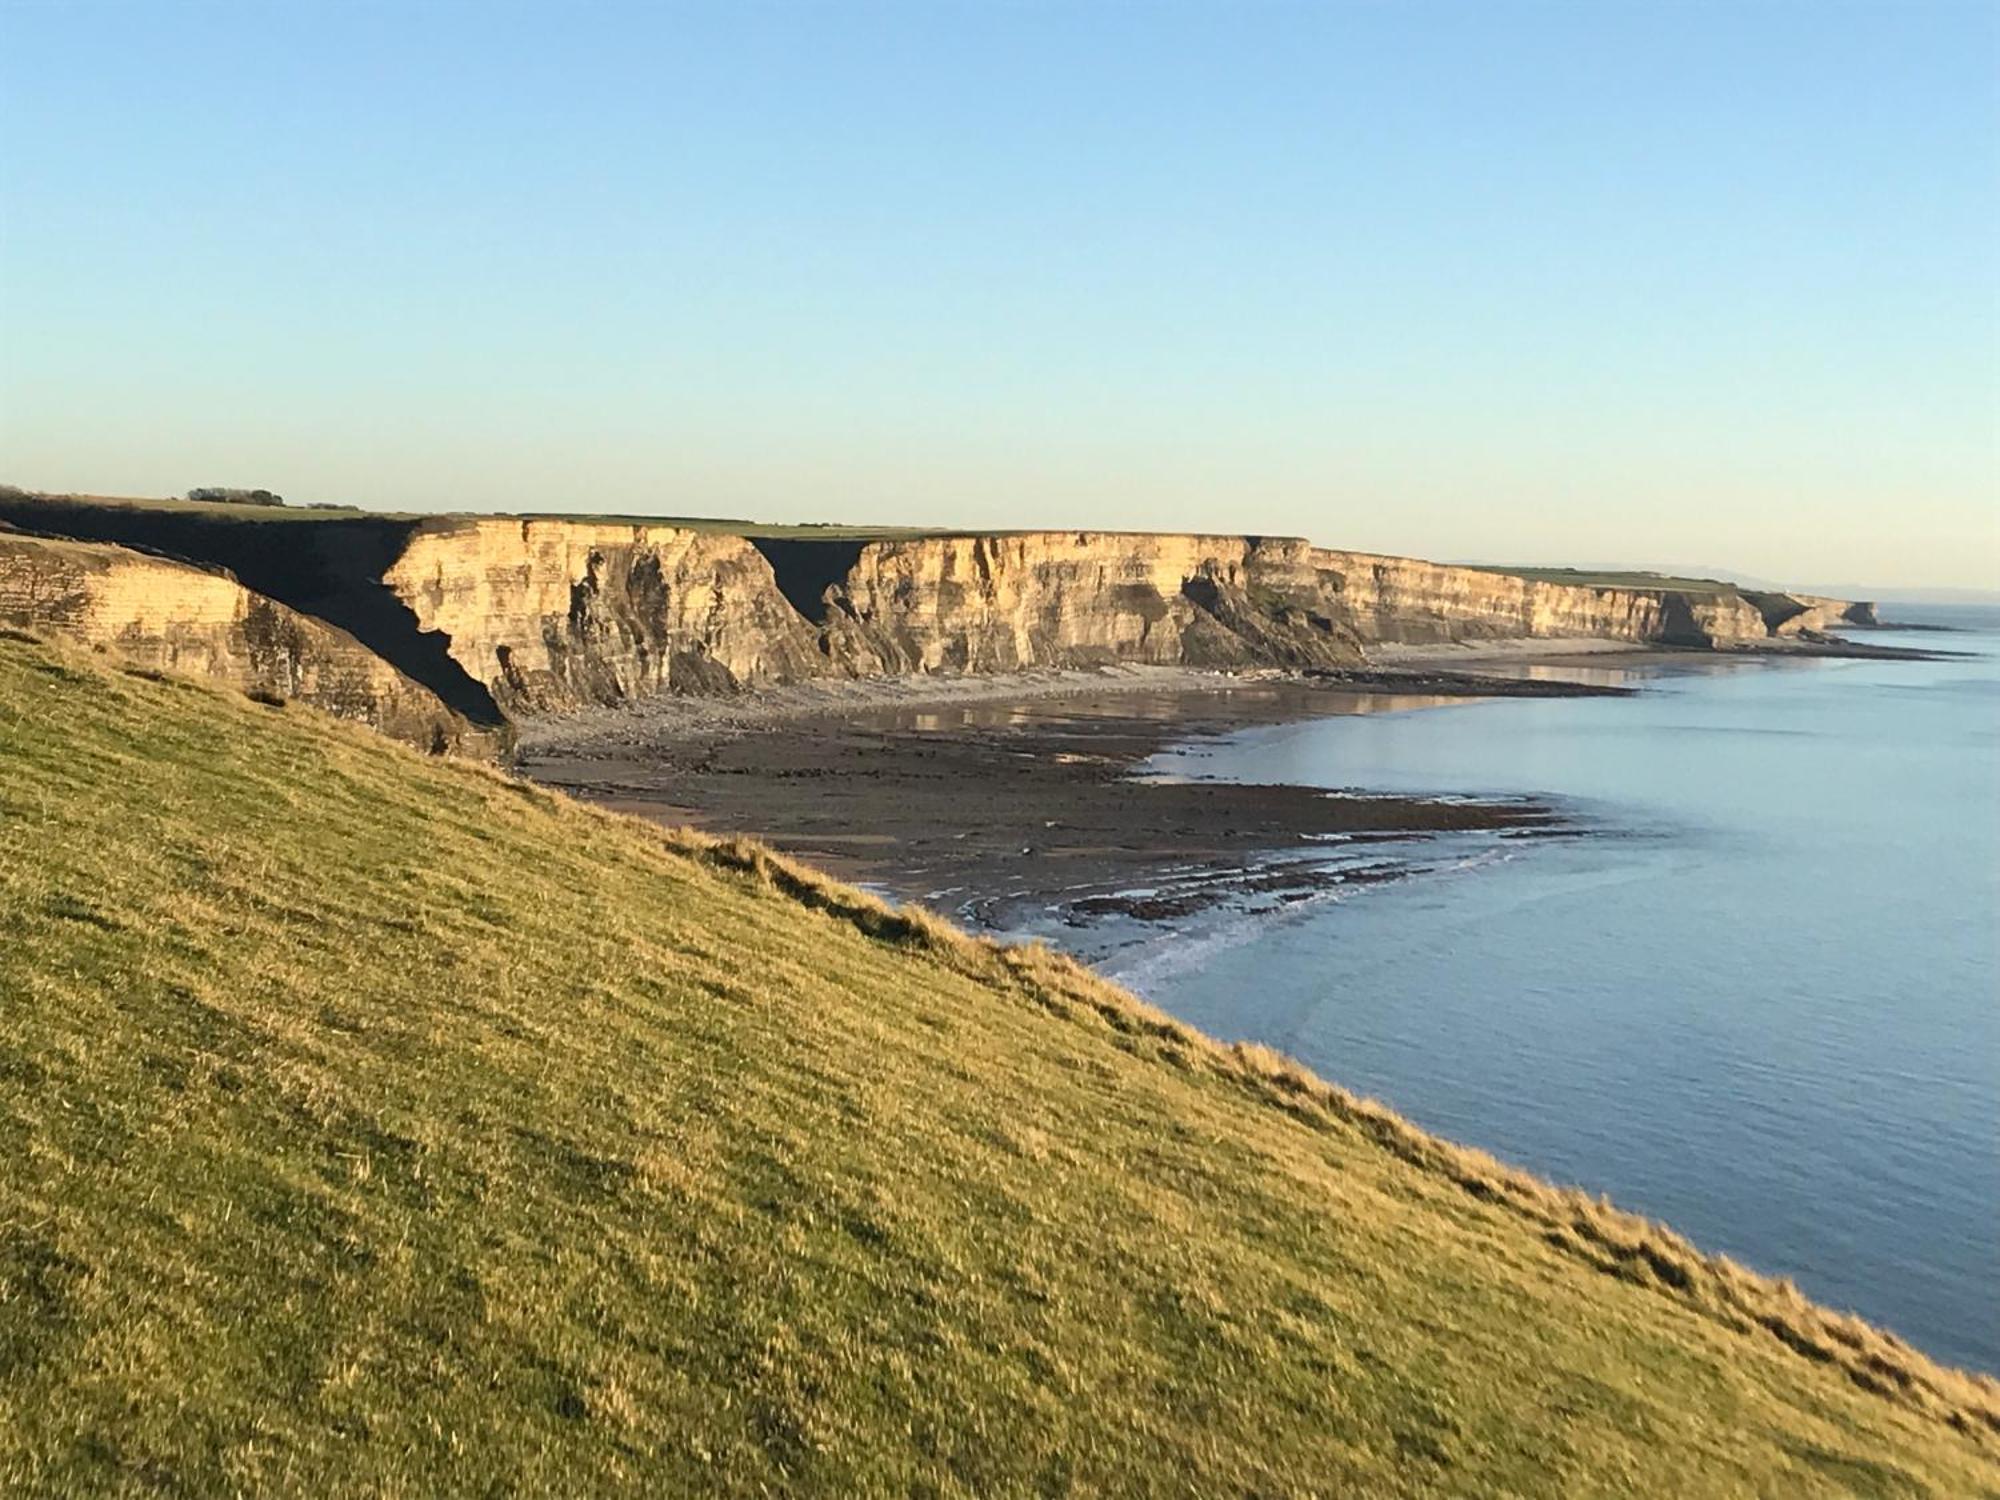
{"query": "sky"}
(1674, 283)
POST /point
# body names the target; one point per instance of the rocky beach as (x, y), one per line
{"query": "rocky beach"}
(1012, 802)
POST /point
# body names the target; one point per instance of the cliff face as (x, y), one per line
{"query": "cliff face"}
(991, 603)
(1000, 603)
(506, 616)
(1403, 600)
(167, 616)
(1790, 615)
(549, 614)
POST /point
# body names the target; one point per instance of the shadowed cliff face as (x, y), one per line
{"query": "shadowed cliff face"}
(167, 616)
(805, 570)
(330, 569)
(504, 616)
(1808, 614)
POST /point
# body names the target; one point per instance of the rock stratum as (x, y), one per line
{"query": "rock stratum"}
(497, 618)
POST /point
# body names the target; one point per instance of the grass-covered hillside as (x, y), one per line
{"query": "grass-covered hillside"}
(372, 1125)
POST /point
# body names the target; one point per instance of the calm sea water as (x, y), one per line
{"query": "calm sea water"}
(1762, 1004)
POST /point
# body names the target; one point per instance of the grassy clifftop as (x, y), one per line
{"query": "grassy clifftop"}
(51, 509)
(373, 1125)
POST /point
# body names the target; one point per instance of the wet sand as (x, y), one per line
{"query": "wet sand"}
(1007, 809)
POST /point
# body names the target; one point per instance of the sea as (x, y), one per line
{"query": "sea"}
(1759, 1001)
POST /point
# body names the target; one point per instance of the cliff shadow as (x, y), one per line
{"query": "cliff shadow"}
(806, 568)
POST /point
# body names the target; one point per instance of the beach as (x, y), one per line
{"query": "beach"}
(1011, 802)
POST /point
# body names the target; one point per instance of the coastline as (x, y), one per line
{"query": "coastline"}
(1009, 801)
(666, 718)
(1517, 651)
(612, 919)
(1011, 804)
(1772, 943)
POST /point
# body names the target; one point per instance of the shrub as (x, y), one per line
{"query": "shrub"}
(227, 496)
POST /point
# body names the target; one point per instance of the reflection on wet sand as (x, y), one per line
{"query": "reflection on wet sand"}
(1256, 704)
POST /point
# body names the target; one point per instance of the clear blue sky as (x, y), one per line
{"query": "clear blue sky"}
(1672, 283)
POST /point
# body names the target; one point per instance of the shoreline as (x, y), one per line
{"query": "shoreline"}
(1531, 651)
(1010, 802)
(665, 718)
(1427, 668)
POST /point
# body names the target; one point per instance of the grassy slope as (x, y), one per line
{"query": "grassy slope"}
(378, 1125)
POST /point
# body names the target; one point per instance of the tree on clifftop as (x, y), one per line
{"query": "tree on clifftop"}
(236, 497)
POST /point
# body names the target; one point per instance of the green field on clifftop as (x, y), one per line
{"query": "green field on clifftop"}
(54, 506)
(1628, 578)
(376, 1125)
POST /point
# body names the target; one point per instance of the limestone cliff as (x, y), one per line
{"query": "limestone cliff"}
(549, 614)
(503, 616)
(1000, 603)
(1403, 600)
(171, 617)
(995, 602)
(1791, 615)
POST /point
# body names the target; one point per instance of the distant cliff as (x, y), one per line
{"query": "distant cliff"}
(503, 616)
(548, 613)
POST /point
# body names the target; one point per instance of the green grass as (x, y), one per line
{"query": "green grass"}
(824, 531)
(1587, 578)
(223, 510)
(808, 531)
(219, 508)
(372, 1125)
